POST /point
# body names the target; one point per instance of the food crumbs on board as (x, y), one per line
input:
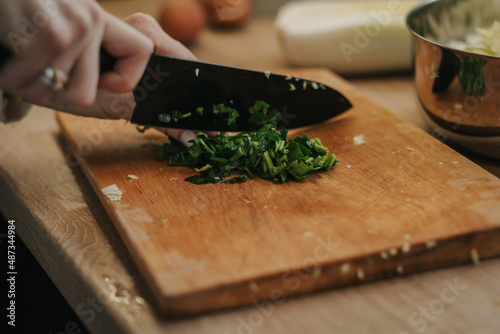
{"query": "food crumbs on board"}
(359, 140)
(474, 255)
(344, 269)
(408, 200)
(440, 163)
(431, 244)
(164, 222)
(360, 274)
(393, 251)
(455, 162)
(197, 72)
(173, 179)
(408, 148)
(288, 77)
(317, 272)
(253, 286)
(267, 74)
(384, 256)
(112, 192)
(407, 236)
(400, 269)
(348, 166)
(132, 177)
(245, 200)
(308, 234)
(406, 247)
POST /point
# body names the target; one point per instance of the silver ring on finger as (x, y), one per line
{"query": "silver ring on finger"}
(54, 78)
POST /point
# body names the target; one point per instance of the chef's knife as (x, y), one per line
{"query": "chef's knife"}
(180, 93)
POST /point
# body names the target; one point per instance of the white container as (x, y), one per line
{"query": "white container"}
(349, 37)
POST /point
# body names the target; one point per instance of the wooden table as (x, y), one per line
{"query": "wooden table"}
(64, 225)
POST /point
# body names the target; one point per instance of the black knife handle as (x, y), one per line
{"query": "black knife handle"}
(5, 55)
(106, 61)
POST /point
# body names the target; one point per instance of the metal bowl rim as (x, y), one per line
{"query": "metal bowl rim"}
(430, 3)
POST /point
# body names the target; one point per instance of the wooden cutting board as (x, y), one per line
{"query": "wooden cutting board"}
(403, 202)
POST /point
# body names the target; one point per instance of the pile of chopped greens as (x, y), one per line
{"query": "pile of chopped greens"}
(265, 153)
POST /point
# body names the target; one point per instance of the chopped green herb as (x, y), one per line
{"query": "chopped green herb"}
(232, 114)
(261, 115)
(237, 179)
(199, 110)
(265, 153)
(292, 87)
(176, 115)
(471, 77)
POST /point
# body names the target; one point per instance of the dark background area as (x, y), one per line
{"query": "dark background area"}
(40, 307)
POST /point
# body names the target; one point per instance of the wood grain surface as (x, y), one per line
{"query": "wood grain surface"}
(403, 202)
(68, 230)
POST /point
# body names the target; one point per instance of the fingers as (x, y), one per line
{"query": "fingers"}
(182, 136)
(79, 63)
(20, 75)
(69, 41)
(59, 43)
(133, 51)
(163, 43)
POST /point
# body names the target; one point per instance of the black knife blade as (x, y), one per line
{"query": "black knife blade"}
(172, 86)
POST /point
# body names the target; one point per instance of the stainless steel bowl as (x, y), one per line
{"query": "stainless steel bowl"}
(459, 91)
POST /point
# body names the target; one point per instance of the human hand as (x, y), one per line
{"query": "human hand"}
(114, 106)
(67, 36)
